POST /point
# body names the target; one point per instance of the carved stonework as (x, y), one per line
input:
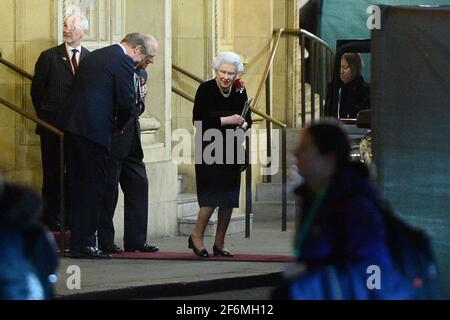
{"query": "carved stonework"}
(225, 24)
(149, 126)
(106, 20)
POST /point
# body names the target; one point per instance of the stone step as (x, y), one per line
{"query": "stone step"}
(291, 174)
(272, 192)
(269, 211)
(187, 205)
(237, 225)
(292, 140)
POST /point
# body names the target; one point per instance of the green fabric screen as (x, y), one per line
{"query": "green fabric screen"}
(411, 120)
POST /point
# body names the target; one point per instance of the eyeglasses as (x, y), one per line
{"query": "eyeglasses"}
(71, 27)
(149, 59)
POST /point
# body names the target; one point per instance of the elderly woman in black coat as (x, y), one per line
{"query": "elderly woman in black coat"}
(217, 115)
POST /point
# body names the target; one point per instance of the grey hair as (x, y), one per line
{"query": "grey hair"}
(138, 39)
(83, 21)
(228, 57)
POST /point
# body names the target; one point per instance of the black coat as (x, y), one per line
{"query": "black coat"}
(120, 146)
(218, 184)
(355, 96)
(102, 97)
(52, 81)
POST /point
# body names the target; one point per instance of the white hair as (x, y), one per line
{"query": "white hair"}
(83, 21)
(229, 58)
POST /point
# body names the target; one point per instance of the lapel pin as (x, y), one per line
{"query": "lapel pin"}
(64, 58)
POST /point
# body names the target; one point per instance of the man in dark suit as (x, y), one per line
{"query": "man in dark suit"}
(125, 165)
(100, 105)
(53, 77)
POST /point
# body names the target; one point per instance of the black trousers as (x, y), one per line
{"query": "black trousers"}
(125, 165)
(86, 173)
(51, 162)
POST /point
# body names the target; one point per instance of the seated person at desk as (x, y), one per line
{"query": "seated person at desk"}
(353, 91)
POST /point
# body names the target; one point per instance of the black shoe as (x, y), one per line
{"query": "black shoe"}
(112, 248)
(202, 253)
(221, 253)
(144, 248)
(89, 253)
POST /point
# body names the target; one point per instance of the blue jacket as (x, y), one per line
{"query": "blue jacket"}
(347, 236)
(27, 254)
(102, 96)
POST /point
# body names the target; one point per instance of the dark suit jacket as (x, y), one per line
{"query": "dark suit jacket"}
(121, 143)
(102, 96)
(53, 79)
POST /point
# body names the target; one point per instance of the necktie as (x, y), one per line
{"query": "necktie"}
(74, 59)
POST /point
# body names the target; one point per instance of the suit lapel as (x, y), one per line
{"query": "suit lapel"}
(64, 57)
(83, 53)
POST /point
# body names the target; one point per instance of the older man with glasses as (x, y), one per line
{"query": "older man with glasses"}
(126, 166)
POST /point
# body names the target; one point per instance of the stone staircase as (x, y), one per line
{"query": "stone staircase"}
(268, 205)
(187, 210)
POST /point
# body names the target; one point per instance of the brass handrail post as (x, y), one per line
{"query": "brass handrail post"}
(312, 74)
(283, 165)
(268, 67)
(268, 178)
(303, 79)
(248, 187)
(284, 178)
(62, 199)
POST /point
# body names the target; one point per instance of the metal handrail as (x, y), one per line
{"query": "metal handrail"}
(268, 68)
(15, 68)
(309, 35)
(320, 50)
(183, 94)
(187, 73)
(301, 33)
(265, 81)
(53, 130)
(60, 134)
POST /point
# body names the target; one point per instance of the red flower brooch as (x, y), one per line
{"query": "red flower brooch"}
(239, 85)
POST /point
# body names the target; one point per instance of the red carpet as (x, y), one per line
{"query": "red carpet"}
(57, 237)
(191, 256)
(184, 255)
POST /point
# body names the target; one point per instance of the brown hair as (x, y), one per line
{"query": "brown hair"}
(355, 63)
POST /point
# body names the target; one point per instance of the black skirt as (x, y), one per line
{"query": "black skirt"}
(218, 185)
